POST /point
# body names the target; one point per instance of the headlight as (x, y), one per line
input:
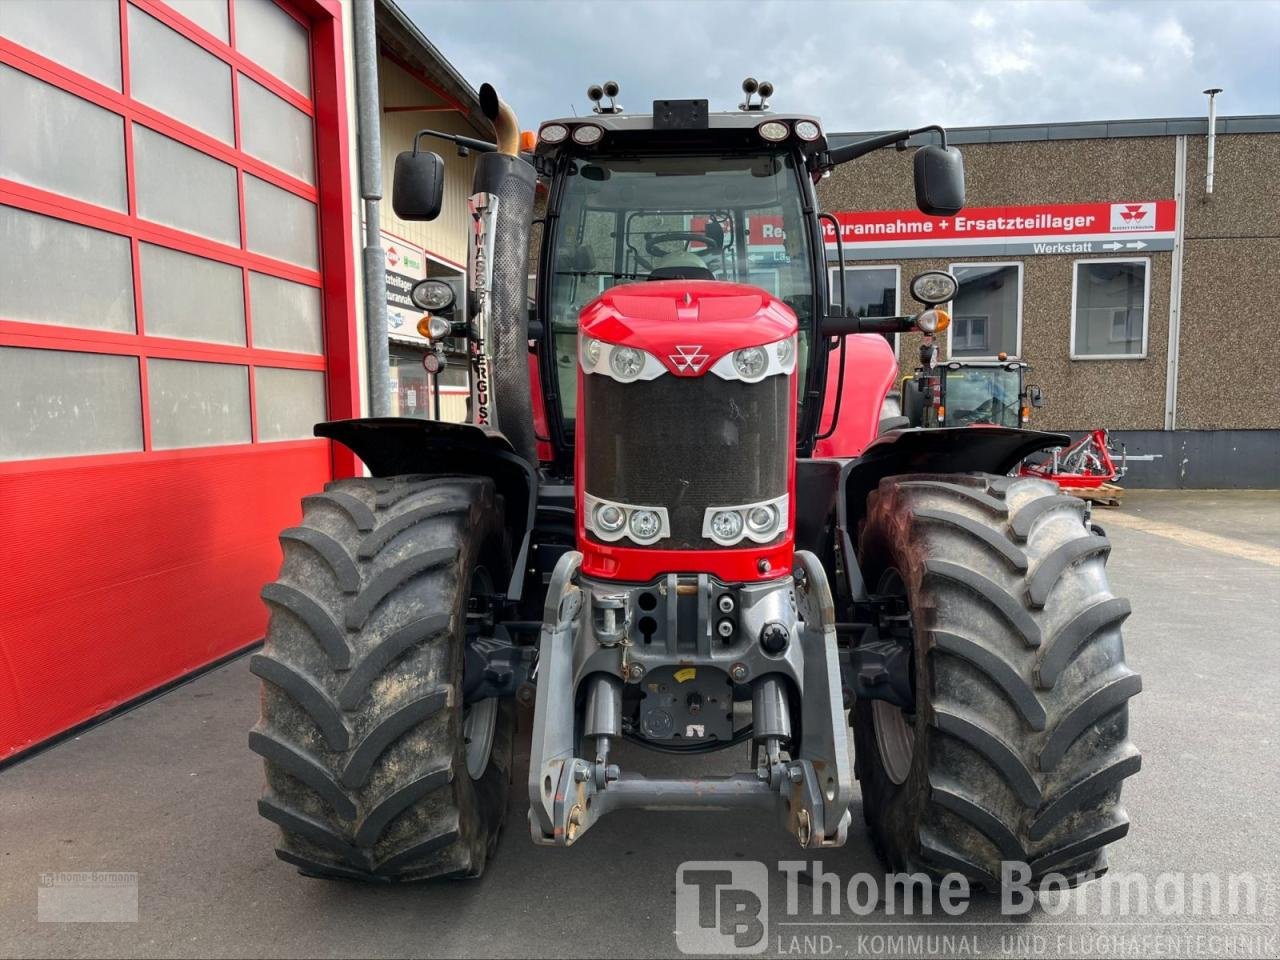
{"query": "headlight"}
(933, 287)
(431, 295)
(612, 522)
(773, 130)
(644, 525)
(626, 362)
(726, 525)
(553, 133)
(933, 320)
(750, 362)
(610, 518)
(758, 522)
(623, 364)
(807, 130)
(587, 134)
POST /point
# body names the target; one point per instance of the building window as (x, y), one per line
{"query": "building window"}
(986, 314)
(872, 292)
(1109, 301)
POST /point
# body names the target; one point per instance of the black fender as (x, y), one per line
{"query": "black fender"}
(923, 450)
(393, 446)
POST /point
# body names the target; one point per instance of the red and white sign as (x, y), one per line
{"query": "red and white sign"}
(1034, 228)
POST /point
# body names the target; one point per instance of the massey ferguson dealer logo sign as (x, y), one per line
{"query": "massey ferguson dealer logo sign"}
(1072, 228)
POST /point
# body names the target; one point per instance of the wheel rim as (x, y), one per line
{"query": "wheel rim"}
(895, 738)
(479, 719)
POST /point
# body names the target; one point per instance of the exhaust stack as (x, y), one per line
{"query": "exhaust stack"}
(501, 205)
(1212, 93)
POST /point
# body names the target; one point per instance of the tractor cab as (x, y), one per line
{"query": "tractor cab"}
(965, 393)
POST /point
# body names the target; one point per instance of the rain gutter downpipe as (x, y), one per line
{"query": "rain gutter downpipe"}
(369, 154)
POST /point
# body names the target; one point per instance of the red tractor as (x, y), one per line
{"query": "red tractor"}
(678, 572)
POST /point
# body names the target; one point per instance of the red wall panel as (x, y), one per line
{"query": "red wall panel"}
(121, 576)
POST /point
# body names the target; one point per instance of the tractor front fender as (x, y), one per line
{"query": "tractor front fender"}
(925, 450)
(394, 446)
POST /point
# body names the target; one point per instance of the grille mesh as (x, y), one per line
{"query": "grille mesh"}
(686, 443)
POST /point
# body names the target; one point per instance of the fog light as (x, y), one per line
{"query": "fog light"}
(609, 518)
(762, 519)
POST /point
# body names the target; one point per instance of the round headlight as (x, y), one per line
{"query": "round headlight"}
(750, 362)
(431, 295)
(773, 131)
(762, 519)
(591, 353)
(933, 287)
(553, 133)
(626, 362)
(587, 134)
(726, 524)
(784, 349)
(645, 524)
(933, 320)
(807, 130)
(609, 518)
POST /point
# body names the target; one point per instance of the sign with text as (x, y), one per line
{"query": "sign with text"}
(1063, 228)
(406, 265)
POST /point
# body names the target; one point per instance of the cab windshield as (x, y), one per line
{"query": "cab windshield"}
(983, 395)
(709, 217)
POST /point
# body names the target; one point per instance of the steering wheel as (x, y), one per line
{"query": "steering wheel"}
(654, 243)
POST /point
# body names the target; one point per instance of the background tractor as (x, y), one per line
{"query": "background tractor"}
(640, 539)
(964, 392)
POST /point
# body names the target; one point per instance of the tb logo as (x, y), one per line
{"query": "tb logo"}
(722, 906)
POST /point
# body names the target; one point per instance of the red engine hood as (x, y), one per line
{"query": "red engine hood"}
(682, 320)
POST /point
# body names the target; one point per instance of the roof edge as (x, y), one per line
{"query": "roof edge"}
(1087, 130)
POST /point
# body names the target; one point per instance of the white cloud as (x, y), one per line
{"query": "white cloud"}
(873, 65)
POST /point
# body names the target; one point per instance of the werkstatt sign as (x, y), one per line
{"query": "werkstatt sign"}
(1118, 229)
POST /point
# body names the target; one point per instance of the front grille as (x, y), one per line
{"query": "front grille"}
(686, 443)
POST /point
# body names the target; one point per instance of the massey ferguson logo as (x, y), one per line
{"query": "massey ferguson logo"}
(689, 359)
(1133, 216)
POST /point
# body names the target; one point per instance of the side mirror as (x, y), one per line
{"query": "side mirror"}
(417, 191)
(1035, 395)
(939, 174)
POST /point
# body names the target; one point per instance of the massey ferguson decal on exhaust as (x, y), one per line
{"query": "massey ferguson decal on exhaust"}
(484, 216)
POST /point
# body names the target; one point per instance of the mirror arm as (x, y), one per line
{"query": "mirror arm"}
(851, 151)
(470, 143)
(833, 326)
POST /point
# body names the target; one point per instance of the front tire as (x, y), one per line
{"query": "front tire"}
(1019, 741)
(370, 772)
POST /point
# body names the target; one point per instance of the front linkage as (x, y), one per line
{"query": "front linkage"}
(586, 648)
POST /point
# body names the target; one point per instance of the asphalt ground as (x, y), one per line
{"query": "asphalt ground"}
(168, 791)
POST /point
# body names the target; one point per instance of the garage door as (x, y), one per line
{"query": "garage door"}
(175, 282)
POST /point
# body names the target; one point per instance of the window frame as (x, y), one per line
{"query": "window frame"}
(330, 196)
(1146, 308)
(1017, 347)
(833, 278)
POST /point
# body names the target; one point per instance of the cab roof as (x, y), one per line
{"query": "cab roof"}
(681, 125)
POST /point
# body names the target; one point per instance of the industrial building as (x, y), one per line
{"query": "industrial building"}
(181, 299)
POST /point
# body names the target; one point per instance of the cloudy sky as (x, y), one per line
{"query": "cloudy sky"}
(872, 65)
